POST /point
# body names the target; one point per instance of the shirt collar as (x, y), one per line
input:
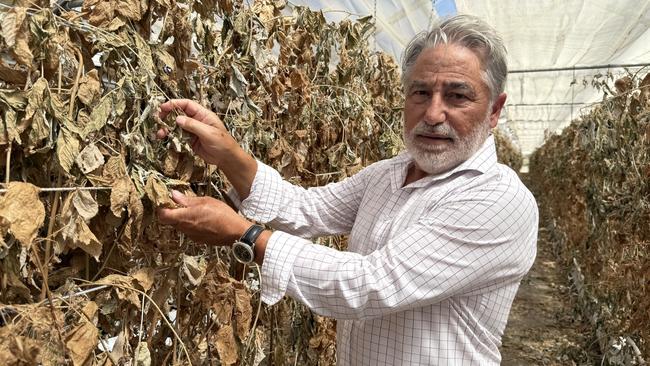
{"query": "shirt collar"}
(484, 159)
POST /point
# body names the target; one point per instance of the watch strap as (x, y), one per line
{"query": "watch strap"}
(251, 234)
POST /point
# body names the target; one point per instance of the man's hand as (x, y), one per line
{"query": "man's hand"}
(211, 140)
(213, 143)
(204, 220)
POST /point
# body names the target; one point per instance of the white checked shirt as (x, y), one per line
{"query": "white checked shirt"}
(431, 268)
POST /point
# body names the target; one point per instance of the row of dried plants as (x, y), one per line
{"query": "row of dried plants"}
(592, 183)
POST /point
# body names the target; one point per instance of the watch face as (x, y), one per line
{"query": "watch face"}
(242, 252)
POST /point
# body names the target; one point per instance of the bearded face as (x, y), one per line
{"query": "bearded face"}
(448, 111)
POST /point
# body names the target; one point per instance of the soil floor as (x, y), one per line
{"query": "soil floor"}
(542, 329)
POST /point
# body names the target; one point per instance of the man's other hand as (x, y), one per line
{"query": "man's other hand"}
(204, 220)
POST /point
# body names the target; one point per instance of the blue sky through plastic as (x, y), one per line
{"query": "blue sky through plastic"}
(445, 8)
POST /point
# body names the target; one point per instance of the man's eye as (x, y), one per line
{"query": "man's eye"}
(420, 92)
(458, 96)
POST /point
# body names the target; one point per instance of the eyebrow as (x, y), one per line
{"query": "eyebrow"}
(459, 85)
(454, 85)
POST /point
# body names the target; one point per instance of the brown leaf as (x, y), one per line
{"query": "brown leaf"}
(12, 74)
(82, 340)
(98, 12)
(144, 277)
(129, 9)
(85, 204)
(11, 23)
(298, 80)
(15, 31)
(18, 350)
(226, 345)
(36, 99)
(89, 159)
(194, 268)
(243, 311)
(75, 231)
(21, 212)
(123, 286)
(67, 149)
(158, 193)
(114, 169)
(120, 193)
(99, 115)
(89, 88)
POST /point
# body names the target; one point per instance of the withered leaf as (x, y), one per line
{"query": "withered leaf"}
(129, 9)
(194, 268)
(16, 33)
(18, 350)
(11, 23)
(120, 193)
(10, 120)
(12, 73)
(158, 193)
(82, 340)
(99, 12)
(114, 169)
(89, 88)
(21, 212)
(75, 231)
(67, 149)
(226, 345)
(85, 204)
(145, 64)
(243, 311)
(142, 355)
(89, 159)
(36, 99)
(123, 286)
(99, 115)
(144, 277)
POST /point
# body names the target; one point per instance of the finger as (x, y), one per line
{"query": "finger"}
(183, 200)
(171, 216)
(188, 106)
(174, 104)
(193, 126)
(191, 109)
(162, 133)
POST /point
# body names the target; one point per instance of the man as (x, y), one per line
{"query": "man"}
(440, 236)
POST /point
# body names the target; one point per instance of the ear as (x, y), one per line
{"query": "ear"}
(497, 106)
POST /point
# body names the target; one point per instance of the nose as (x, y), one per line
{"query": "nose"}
(436, 111)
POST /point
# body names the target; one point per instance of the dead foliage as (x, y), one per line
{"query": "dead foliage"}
(507, 152)
(592, 183)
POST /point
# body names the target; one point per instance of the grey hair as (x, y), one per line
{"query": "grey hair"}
(466, 31)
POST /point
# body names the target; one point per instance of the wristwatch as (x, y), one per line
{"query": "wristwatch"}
(244, 249)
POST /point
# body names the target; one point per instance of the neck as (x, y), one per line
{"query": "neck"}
(414, 174)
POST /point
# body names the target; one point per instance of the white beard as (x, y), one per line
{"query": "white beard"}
(436, 159)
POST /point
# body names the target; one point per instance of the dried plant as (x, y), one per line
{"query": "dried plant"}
(593, 184)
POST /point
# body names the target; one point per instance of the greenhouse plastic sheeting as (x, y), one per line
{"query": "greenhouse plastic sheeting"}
(538, 35)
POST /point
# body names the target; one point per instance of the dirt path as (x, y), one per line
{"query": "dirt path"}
(541, 330)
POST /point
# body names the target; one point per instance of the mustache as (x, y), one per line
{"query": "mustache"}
(443, 129)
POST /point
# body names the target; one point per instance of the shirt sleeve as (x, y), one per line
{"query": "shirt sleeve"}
(466, 245)
(308, 213)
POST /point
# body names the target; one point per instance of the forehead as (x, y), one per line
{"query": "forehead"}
(448, 63)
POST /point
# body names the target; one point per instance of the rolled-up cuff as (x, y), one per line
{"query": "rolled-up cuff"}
(265, 199)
